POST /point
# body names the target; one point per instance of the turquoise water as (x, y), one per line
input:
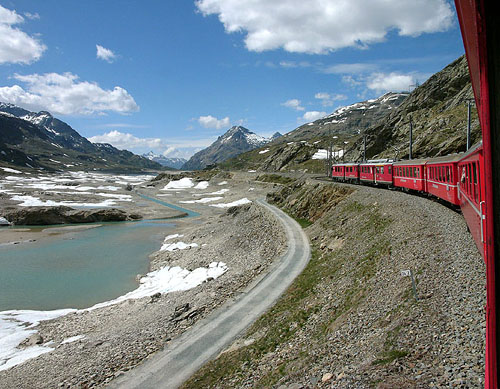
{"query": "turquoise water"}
(187, 211)
(80, 269)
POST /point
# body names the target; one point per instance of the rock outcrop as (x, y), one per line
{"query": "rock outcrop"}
(63, 215)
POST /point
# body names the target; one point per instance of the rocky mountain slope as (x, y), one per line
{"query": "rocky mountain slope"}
(175, 163)
(39, 140)
(438, 111)
(235, 141)
(352, 119)
(437, 108)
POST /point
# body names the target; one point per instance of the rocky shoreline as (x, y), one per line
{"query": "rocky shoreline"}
(92, 347)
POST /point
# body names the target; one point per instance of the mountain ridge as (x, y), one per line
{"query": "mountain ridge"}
(39, 140)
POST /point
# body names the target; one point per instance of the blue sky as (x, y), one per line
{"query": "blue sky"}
(171, 76)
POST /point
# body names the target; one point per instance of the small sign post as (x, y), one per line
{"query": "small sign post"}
(409, 273)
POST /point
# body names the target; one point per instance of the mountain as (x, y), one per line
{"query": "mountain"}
(31, 139)
(349, 120)
(175, 163)
(437, 108)
(235, 141)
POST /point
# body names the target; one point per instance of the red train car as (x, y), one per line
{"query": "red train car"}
(383, 173)
(410, 174)
(441, 176)
(338, 172)
(471, 193)
(351, 172)
(367, 172)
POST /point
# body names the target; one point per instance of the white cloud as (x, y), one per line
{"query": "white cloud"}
(15, 45)
(349, 68)
(319, 26)
(311, 116)
(393, 82)
(65, 94)
(294, 104)
(178, 147)
(210, 121)
(32, 16)
(328, 100)
(127, 141)
(105, 54)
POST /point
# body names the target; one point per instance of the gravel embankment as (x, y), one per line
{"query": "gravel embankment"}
(116, 338)
(351, 320)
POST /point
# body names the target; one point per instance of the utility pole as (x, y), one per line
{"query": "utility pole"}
(411, 140)
(364, 148)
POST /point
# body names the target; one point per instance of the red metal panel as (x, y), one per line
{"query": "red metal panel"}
(471, 201)
(472, 17)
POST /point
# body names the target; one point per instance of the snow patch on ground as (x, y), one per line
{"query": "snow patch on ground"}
(9, 170)
(232, 204)
(15, 327)
(264, 151)
(183, 183)
(201, 201)
(177, 246)
(202, 185)
(219, 192)
(73, 339)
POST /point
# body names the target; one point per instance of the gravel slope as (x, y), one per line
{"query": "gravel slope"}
(351, 320)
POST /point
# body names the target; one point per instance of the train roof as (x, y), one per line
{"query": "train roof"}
(377, 162)
(446, 158)
(422, 161)
(472, 150)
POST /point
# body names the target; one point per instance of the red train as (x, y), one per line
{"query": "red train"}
(456, 179)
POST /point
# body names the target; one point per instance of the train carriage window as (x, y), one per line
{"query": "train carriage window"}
(474, 179)
(389, 170)
(468, 178)
(382, 170)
